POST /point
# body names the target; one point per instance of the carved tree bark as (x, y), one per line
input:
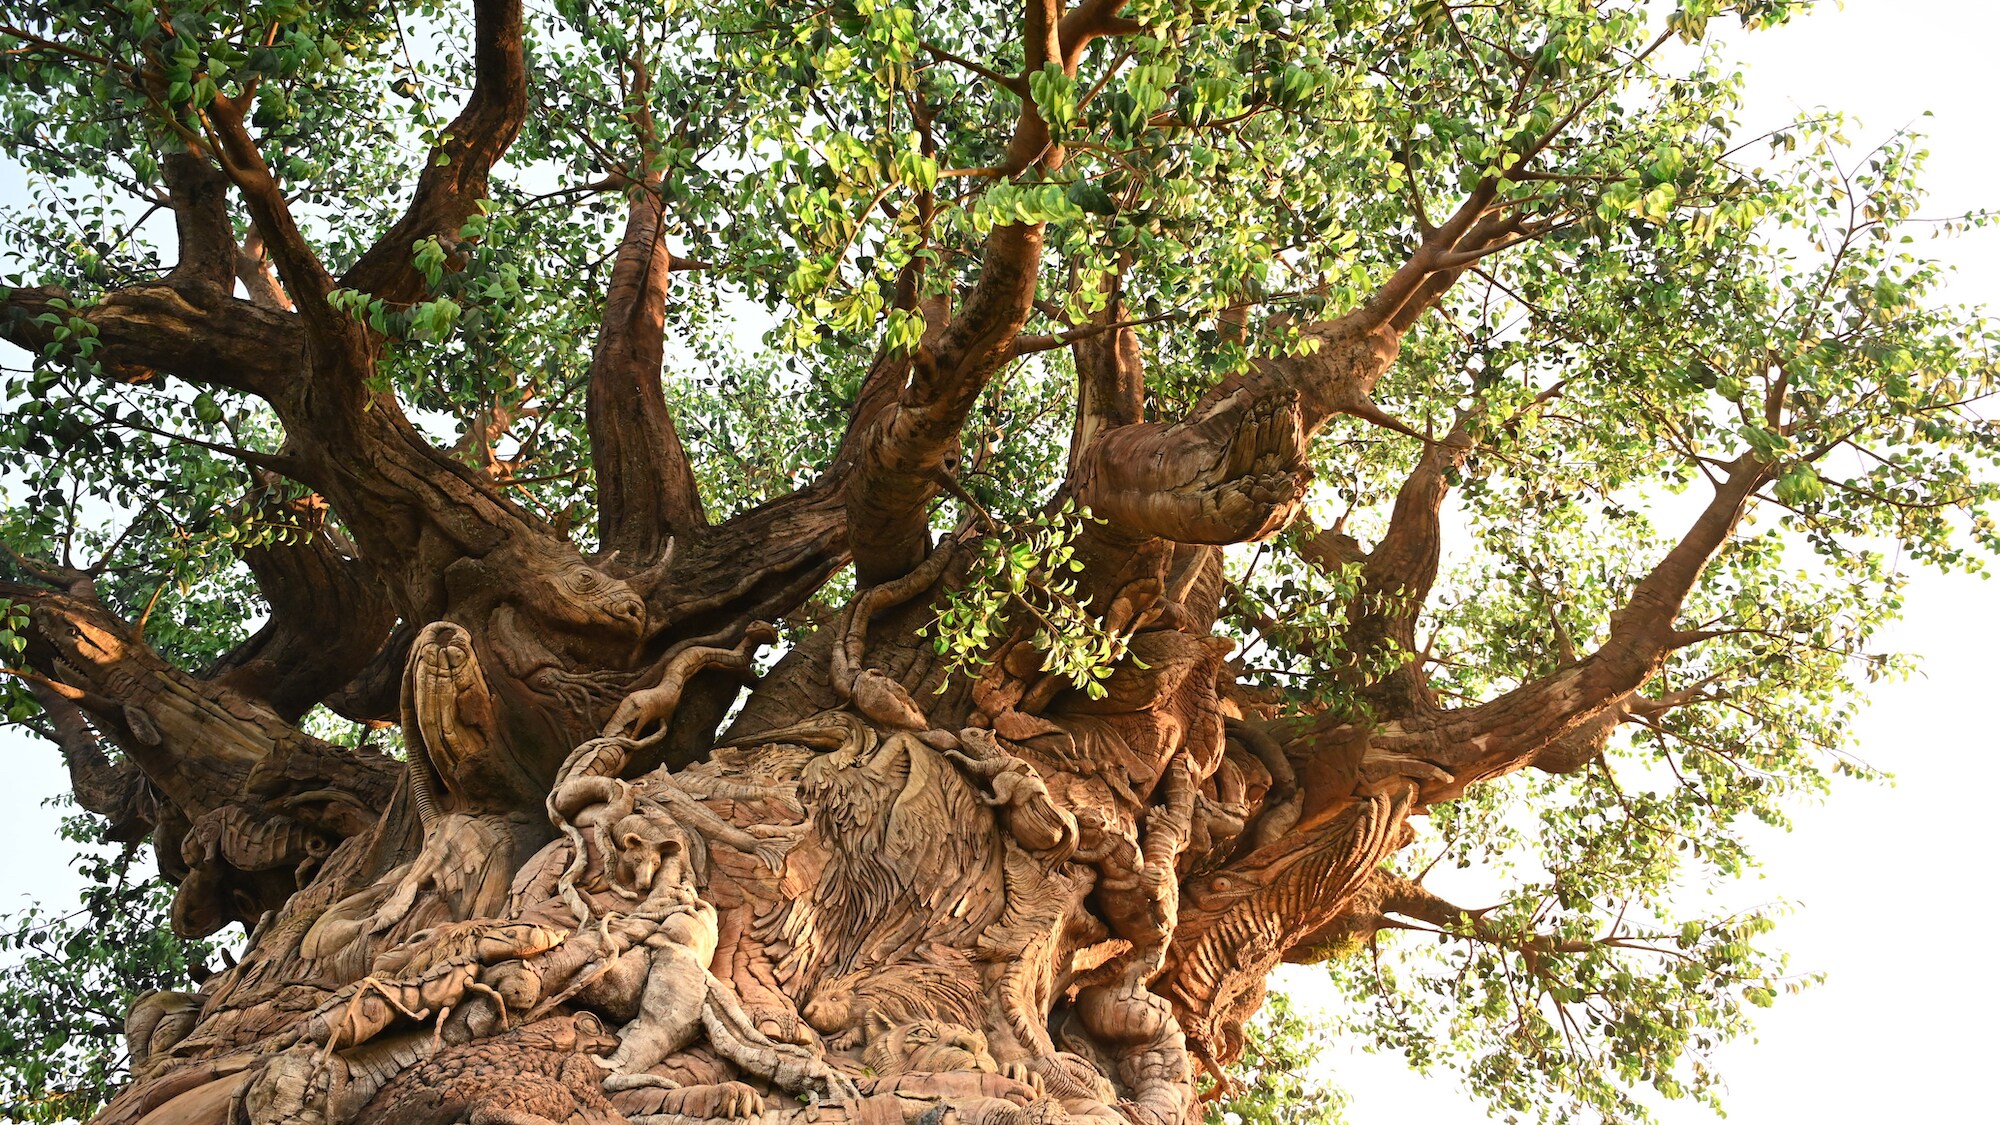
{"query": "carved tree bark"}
(865, 900)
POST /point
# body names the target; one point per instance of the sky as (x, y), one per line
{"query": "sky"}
(1893, 889)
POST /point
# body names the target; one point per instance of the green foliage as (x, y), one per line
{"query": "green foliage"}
(1029, 568)
(1692, 293)
(1300, 614)
(66, 981)
(1281, 1078)
(1553, 1005)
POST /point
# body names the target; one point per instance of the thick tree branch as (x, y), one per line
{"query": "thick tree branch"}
(646, 489)
(199, 195)
(329, 617)
(455, 178)
(117, 790)
(904, 450)
(1398, 575)
(1110, 375)
(1234, 469)
(182, 330)
(93, 659)
(1490, 739)
(336, 339)
(757, 565)
(1088, 21)
(900, 455)
(1557, 723)
(189, 324)
(1040, 44)
(197, 741)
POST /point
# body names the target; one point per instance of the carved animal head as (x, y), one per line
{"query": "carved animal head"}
(582, 1033)
(592, 1037)
(887, 702)
(924, 1047)
(550, 584)
(940, 985)
(589, 597)
(650, 850)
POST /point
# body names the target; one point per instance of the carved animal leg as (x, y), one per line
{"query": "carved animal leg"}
(730, 1100)
(365, 1014)
(789, 1065)
(655, 706)
(1148, 1045)
(291, 1089)
(464, 861)
(996, 1111)
(670, 1010)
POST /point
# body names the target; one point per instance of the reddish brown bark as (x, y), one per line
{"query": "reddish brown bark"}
(884, 886)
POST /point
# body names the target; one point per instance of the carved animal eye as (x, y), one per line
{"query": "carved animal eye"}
(921, 1034)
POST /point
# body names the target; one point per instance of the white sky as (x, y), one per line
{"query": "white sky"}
(1896, 898)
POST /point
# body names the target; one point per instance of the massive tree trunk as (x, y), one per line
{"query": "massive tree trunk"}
(881, 889)
(878, 891)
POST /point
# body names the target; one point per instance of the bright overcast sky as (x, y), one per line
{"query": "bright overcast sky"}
(1895, 903)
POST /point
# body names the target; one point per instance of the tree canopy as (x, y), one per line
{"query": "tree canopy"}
(1545, 452)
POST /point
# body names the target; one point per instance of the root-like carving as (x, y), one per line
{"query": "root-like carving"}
(649, 1096)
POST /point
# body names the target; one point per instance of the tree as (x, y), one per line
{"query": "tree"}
(1077, 524)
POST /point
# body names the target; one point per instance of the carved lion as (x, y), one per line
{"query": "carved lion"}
(924, 1047)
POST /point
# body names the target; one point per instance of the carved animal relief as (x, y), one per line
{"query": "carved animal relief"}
(1014, 832)
(866, 914)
